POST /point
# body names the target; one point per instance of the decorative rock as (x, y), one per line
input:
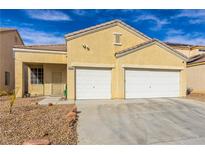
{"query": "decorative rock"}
(50, 104)
(37, 142)
(72, 117)
(74, 108)
(71, 114)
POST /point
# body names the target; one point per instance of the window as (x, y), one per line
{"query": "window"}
(7, 78)
(117, 40)
(36, 75)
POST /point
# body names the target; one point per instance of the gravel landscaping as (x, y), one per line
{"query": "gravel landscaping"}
(32, 121)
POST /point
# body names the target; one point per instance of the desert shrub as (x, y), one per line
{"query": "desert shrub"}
(12, 99)
(3, 93)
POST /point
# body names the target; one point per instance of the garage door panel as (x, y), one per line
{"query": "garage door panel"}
(93, 84)
(151, 83)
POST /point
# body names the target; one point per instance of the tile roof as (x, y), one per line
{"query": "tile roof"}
(177, 44)
(53, 47)
(197, 59)
(185, 45)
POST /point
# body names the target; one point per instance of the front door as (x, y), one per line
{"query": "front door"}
(57, 85)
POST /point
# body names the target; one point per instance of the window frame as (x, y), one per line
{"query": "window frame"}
(7, 78)
(117, 38)
(37, 75)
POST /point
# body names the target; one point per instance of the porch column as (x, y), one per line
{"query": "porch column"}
(183, 83)
(19, 84)
(119, 86)
(71, 83)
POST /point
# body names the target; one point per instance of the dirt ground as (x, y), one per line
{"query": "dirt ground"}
(200, 97)
(31, 121)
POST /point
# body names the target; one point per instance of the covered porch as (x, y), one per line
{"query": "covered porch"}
(45, 79)
(40, 72)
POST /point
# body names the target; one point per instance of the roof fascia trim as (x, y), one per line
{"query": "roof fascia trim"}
(38, 51)
(149, 44)
(105, 26)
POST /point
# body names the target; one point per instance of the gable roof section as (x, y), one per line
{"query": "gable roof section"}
(147, 44)
(53, 47)
(106, 25)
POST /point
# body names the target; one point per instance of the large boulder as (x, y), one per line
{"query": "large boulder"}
(72, 117)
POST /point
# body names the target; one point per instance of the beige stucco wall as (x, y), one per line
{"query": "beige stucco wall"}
(101, 54)
(196, 78)
(50, 61)
(7, 40)
(41, 57)
(101, 51)
(152, 57)
(101, 45)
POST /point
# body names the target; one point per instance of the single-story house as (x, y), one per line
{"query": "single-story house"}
(107, 61)
(196, 74)
(8, 38)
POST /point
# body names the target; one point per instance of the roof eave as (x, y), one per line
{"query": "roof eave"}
(117, 55)
(100, 27)
(18, 49)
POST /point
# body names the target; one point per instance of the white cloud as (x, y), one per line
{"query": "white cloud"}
(159, 23)
(88, 12)
(49, 15)
(191, 13)
(179, 36)
(196, 16)
(80, 12)
(174, 32)
(186, 39)
(31, 36)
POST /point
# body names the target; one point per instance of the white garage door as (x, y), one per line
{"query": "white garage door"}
(93, 83)
(151, 83)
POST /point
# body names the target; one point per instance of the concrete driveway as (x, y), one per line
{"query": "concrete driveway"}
(142, 121)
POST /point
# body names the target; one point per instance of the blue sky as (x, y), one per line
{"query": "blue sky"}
(50, 26)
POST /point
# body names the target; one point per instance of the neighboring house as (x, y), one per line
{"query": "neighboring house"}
(108, 61)
(196, 74)
(195, 66)
(187, 49)
(8, 38)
